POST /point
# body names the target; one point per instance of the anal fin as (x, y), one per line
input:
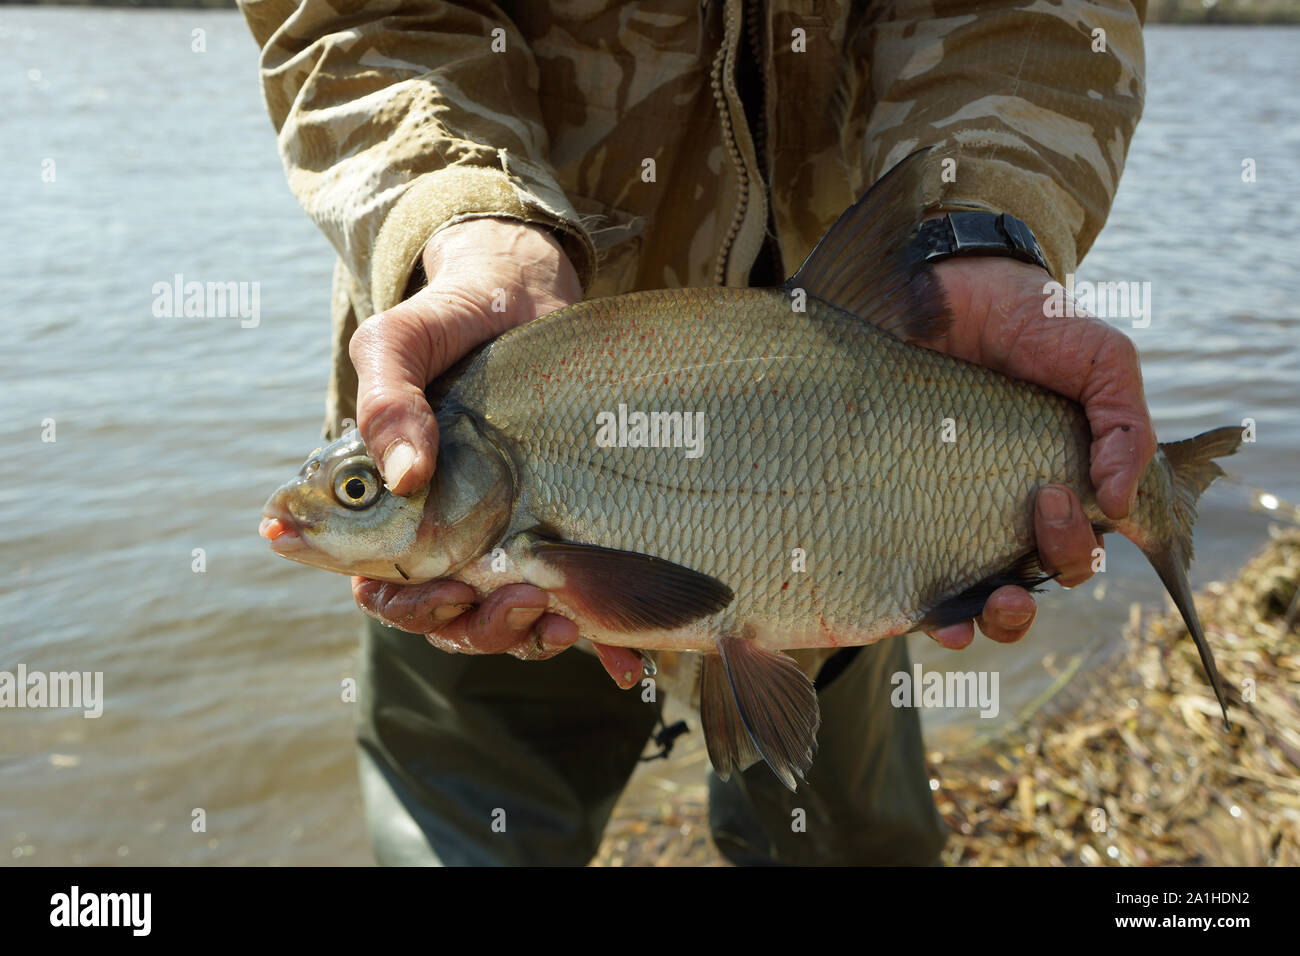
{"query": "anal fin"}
(775, 703)
(729, 744)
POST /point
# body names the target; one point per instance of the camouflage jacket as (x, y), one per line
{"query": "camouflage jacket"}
(623, 126)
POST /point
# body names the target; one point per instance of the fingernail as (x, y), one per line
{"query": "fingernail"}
(448, 612)
(522, 618)
(1054, 504)
(397, 462)
(1015, 618)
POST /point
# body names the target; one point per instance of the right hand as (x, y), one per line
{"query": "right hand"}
(470, 266)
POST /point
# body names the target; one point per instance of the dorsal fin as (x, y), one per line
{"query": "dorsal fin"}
(864, 264)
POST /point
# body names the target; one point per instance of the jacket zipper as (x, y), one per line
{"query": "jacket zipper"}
(721, 86)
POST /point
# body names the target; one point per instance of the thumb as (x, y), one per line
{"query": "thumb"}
(396, 354)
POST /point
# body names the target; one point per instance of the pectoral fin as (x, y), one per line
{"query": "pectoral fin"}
(776, 706)
(619, 590)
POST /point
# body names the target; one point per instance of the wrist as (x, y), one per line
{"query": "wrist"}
(983, 290)
(503, 269)
(492, 238)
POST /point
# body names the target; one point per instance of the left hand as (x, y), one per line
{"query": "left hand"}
(1000, 323)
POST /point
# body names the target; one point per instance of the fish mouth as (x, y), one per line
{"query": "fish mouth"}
(279, 532)
(280, 528)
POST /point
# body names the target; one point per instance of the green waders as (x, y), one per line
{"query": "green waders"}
(487, 760)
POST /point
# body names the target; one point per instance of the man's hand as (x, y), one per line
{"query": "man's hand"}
(471, 267)
(1000, 324)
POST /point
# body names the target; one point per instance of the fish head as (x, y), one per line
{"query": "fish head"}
(337, 514)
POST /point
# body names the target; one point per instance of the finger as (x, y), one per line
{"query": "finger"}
(1119, 458)
(1124, 440)
(556, 631)
(418, 608)
(505, 618)
(396, 354)
(1008, 614)
(551, 635)
(621, 663)
(1064, 534)
(451, 645)
(954, 636)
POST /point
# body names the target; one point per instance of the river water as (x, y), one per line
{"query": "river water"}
(128, 544)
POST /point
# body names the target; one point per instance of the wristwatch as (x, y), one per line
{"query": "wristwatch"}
(976, 234)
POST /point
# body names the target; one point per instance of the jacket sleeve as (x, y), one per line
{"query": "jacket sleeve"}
(1036, 103)
(398, 117)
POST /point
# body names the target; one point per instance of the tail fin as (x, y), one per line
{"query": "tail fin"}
(1189, 469)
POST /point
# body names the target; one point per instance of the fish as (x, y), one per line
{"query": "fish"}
(743, 472)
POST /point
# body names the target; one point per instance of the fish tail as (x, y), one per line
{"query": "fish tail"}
(1162, 524)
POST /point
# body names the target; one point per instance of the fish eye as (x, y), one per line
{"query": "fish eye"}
(356, 483)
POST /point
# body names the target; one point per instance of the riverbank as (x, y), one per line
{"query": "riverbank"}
(1130, 767)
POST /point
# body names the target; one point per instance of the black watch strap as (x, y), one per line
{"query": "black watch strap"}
(976, 234)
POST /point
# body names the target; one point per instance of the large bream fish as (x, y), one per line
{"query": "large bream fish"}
(654, 460)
